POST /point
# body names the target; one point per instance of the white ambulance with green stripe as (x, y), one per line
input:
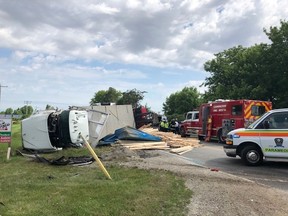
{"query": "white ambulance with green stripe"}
(265, 139)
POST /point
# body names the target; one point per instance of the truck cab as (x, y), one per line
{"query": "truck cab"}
(265, 139)
(190, 125)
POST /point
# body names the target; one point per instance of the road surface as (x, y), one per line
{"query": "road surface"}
(211, 155)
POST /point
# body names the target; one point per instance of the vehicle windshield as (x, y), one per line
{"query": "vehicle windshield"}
(258, 120)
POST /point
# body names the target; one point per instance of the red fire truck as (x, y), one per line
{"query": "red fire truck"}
(218, 118)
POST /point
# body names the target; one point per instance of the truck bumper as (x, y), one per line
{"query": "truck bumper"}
(230, 150)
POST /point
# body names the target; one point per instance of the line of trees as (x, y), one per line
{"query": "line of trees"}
(22, 112)
(133, 97)
(257, 72)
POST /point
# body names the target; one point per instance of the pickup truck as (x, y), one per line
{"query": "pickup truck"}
(265, 139)
(190, 126)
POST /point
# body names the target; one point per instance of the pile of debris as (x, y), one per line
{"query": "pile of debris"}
(169, 141)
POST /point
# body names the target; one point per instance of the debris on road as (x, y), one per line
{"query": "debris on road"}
(172, 140)
(181, 150)
(169, 141)
(148, 145)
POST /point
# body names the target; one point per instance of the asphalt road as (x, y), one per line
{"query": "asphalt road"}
(211, 155)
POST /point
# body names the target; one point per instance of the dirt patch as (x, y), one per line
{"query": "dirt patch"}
(214, 192)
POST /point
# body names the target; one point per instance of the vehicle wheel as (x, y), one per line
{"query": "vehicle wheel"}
(201, 138)
(182, 132)
(252, 156)
(221, 139)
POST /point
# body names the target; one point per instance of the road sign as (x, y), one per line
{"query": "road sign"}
(5, 129)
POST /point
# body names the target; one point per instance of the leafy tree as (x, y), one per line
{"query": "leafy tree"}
(27, 111)
(105, 96)
(49, 107)
(258, 72)
(17, 112)
(277, 64)
(237, 73)
(178, 103)
(133, 97)
(8, 111)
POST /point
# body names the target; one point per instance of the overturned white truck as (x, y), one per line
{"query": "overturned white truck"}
(51, 130)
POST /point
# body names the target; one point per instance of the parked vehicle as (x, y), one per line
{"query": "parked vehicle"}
(219, 117)
(143, 117)
(191, 125)
(266, 138)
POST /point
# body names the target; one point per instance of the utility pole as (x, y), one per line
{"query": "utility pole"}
(1, 86)
(27, 102)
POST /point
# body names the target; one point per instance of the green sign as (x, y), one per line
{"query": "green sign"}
(284, 150)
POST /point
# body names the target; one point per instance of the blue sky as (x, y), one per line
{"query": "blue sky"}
(62, 52)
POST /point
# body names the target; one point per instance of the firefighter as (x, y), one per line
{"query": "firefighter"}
(164, 126)
(174, 126)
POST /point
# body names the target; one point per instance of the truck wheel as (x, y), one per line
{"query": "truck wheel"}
(201, 138)
(221, 139)
(252, 156)
(182, 132)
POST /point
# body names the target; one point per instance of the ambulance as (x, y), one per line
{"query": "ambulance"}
(265, 139)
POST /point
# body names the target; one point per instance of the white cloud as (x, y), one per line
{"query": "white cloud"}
(73, 48)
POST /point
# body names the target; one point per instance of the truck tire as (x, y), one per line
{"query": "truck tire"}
(221, 139)
(251, 156)
(182, 132)
(201, 138)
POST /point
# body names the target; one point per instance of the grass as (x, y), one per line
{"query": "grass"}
(31, 188)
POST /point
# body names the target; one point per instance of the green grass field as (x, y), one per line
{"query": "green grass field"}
(29, 188)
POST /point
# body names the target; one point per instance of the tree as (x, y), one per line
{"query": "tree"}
(27, 111)
(258, 72)
(17, 112)
(277, 64)
(238, 73)
(9, 111)
(178, 103)
(106, 96)
(133, 97)
(49, 107)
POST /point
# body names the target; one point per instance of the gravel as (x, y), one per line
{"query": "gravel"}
(215, 192)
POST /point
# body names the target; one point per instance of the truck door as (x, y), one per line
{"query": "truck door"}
(205, 115)
(274, 137)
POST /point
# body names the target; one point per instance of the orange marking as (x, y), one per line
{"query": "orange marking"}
(265, 133)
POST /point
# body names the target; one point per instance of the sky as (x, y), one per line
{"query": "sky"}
(60, 52)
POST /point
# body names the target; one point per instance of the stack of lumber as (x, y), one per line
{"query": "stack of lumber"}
(172, 140)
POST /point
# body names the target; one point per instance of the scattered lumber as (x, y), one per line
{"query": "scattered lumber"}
(138, 145)
(181, 150)
(170, 141)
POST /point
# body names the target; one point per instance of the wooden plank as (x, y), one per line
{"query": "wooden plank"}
(139, 143)
(146, 146)
(183, 152)
(150, 148)
(178, 150)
